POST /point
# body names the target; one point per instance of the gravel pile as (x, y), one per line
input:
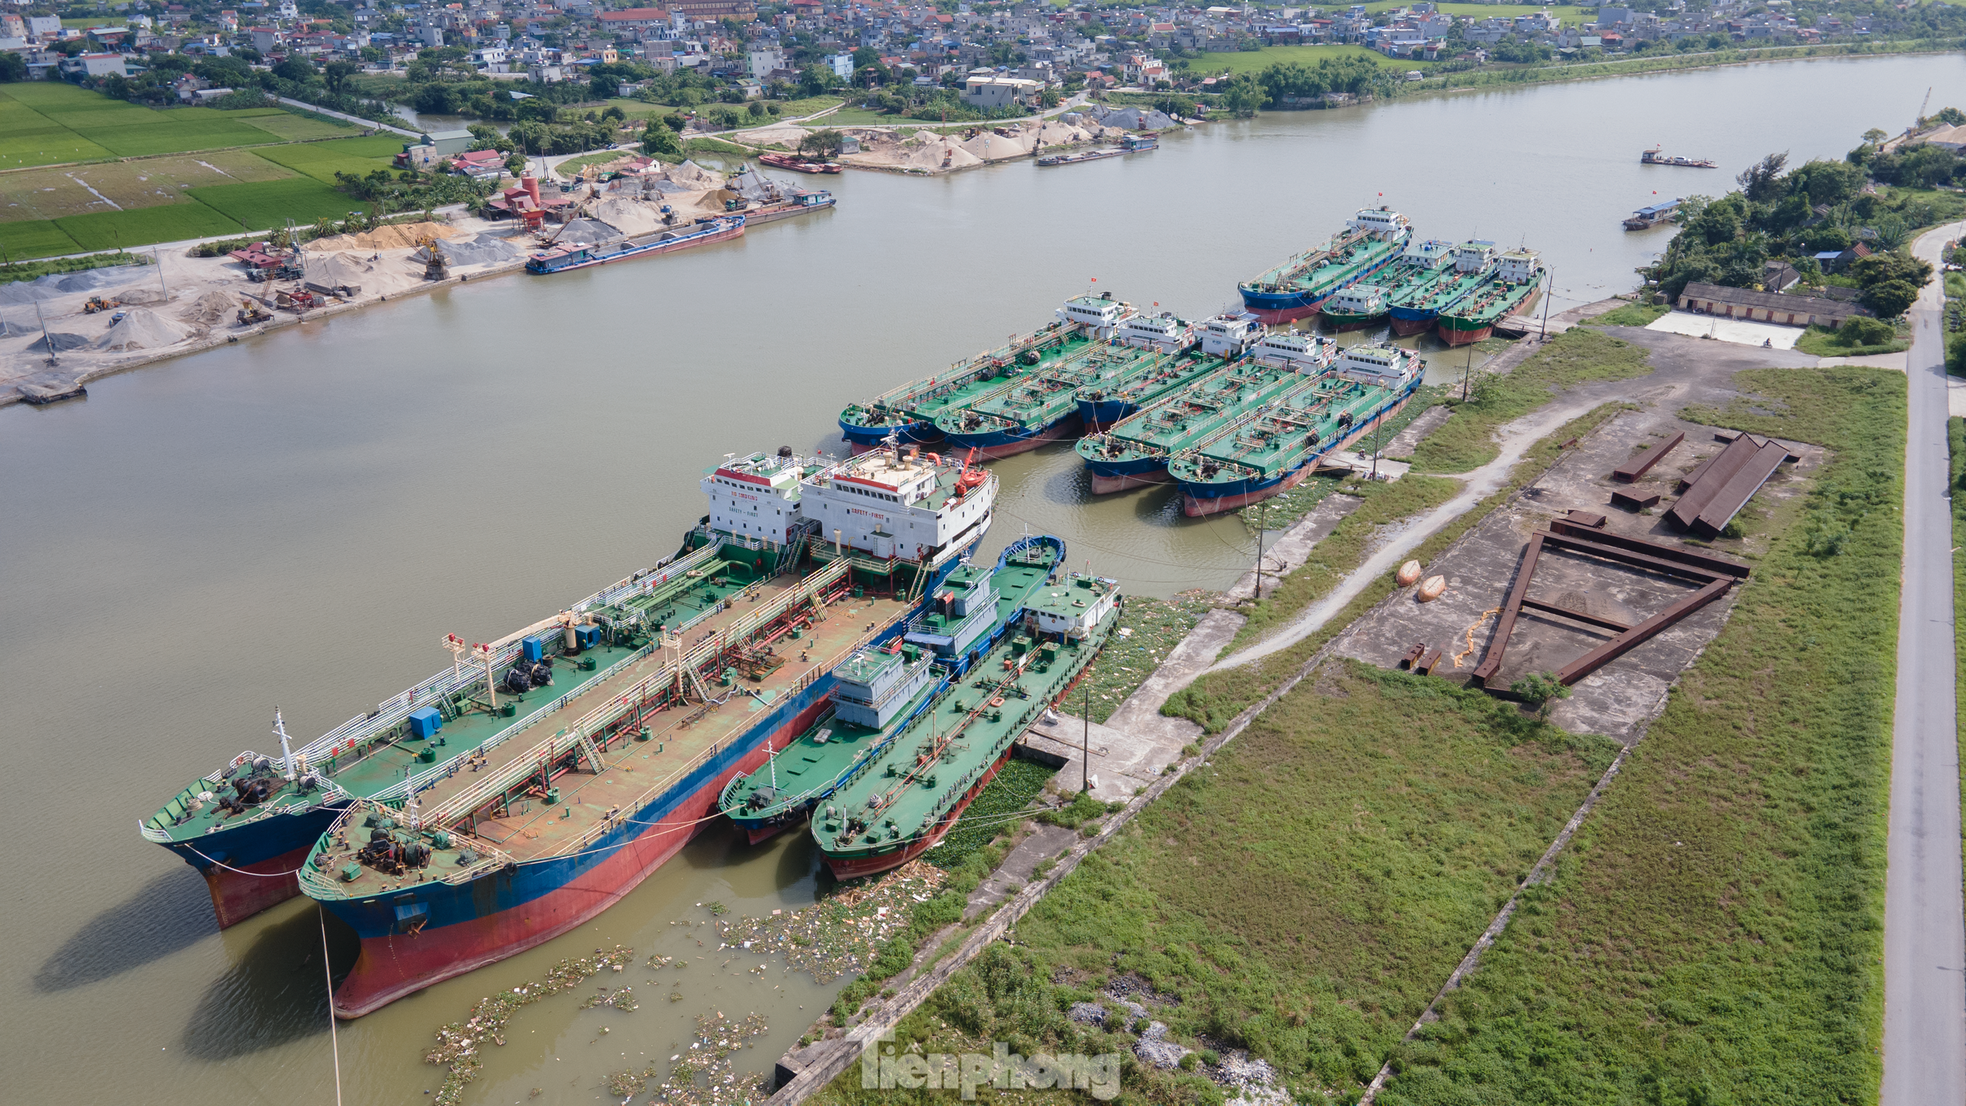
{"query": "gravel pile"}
(62, 284)
(1087, 1013)
(1155, 1050)
(141, 328)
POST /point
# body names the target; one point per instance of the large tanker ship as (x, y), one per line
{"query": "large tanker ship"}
(1280, 447)
(1415, 305)
(1297, 289)
(1512, 288)
(522, 841)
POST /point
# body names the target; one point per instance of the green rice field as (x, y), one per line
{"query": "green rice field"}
(152, 176)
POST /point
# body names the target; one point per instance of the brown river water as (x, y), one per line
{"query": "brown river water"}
(299, 519)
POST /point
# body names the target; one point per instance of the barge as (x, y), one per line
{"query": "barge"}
(560, 259)
(1129, 144)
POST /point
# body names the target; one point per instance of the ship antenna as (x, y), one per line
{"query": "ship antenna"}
(286, 749)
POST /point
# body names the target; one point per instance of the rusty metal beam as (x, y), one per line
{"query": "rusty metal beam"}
(1491, 660)
(1709, 480)
(1631, 559)
(1705, 561)
(1565, 612)
(1641, 633)
(1638, 466)
(1730, 497)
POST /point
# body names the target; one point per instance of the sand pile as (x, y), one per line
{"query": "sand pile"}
(360, 275)
(209, 308)
(633, 217)
(1135, 119)
(996, 147)
(140, 297)
(690, 173)
(483, 249)
(929, 155)
(397, 236)
(784, 134)
(142, 328)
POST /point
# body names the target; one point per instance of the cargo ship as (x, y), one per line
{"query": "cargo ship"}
(1129, 144)
(560, 259)
(1135, 453)
(1416, 305)
(1275, 451)
(527, 840)
(1042, 404)
(1298, 288)
(1646, 218)
(247, 827)
(909, 412)
(880, 691)
(902, 803)
(1513, 287)
(1364, 305)
(1101, 406)
(798, 164)
(1655, 156)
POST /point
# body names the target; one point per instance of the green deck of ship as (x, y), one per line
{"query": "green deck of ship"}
(1193, 415)
(1049, 390)
(1444, 293)
(927, 400)
(911, 788)
(1410, 274)
(634, 772)
(1143, 392)
(1489, 305)
(1277, 442)
(808, 762)
(469, 717)
(1326, 269)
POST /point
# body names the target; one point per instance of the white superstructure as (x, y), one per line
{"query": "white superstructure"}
(1100, 315)
(1385, 366)
(1302, 352)
(755, 496)
(1520, 266)
(1359, 299)
(910, 505)
(1161, 331)
(1472, 257)
(1229, 335)
(1428, 251)
(1381, 222)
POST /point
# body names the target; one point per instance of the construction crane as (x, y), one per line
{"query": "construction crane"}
(1922, 105)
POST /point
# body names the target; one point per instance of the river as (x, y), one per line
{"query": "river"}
(298, 520)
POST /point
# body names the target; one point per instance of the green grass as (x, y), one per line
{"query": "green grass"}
(108, 230)
(573, 165)
(1576, 356)
(991, 813)
(271, 203)
(322, 160)
(38, 238)
(1214, 700)
(1303, 896)
(1631, 314)
(1157, 626)
(1713, 934)
(1255, 61)
(289, 127)
(1828, 343)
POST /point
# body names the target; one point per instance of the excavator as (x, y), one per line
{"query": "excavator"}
(251, 312)
(436, 268)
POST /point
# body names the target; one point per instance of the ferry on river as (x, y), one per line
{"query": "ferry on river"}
(561, 259)
(1654, 157)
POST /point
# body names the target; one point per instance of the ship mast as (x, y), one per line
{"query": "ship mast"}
(286, 748)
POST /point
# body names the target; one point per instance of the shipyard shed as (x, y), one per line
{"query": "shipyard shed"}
(1766, 307)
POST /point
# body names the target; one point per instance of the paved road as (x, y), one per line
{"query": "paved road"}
(346, 118)
(1924, 928)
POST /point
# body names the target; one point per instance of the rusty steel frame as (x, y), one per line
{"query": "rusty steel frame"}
(1638, 466)
(1713, 574)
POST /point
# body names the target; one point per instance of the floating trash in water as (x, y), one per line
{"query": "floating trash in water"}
(623, 1000)
(841, 934)
(703, 1075)
(459, 1043)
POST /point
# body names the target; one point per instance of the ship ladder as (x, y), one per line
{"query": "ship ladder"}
(590, 751)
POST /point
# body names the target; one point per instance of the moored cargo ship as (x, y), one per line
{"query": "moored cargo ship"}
(1042, 403)
(1298, 288)
(1135, 452)
(1513, 287)
(909, 413)
(1364, 305)
(522, 842)
(903, 802)
(1415, 305)
(560, 259)
(1101, 405)
(1276, 450)
(880, 691)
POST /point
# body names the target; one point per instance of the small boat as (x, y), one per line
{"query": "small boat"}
(581, 256)
(1654, 157)
(798, 164)
(1647, 217)
(1130, 144)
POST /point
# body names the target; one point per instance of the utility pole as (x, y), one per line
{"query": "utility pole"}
(45, 340)
(1467, 371)
(1262, 525)
(1378, 443)
(160, 273)
(1546, 307)
(1085, 745)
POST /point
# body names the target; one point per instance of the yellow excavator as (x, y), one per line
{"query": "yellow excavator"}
(436, 268)
(251, 312)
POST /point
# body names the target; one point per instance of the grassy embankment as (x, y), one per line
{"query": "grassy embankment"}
(1713, 933)
(1834, 343)
(199, 172)
(1465, 442)
(1956, 438)
(1631, 314)
(1309, 924)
